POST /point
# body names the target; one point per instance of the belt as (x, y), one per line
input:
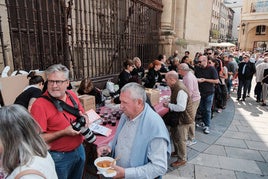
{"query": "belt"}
(61, 151)
(65, 151)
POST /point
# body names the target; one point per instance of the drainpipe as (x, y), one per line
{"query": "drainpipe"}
(184, 21)
(2, 42)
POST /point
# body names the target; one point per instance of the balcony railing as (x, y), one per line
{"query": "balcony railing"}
(261, 6)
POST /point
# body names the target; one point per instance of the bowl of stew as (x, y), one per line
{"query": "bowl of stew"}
(104, 163)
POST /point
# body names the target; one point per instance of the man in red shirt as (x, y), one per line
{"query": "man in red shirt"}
(65, 143)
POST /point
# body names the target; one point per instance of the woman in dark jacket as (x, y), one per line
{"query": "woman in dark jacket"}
(138, 71)
(125, 75)
(153, 75)
(87, 87)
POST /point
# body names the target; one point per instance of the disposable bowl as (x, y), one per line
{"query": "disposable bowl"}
(101, 160)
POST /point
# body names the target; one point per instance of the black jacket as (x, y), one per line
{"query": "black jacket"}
(152, 77)
(250, 69)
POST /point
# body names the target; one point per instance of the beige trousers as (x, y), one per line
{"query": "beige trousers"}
(191, 134)
(179, 135)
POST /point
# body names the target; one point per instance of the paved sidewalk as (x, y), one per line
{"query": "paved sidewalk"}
(236, 148)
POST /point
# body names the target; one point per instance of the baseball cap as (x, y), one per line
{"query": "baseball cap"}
(246, 55)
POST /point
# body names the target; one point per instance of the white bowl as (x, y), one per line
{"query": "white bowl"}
(101, 159)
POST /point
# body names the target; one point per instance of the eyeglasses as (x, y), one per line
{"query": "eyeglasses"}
(199, 61)
(58, 82)
(209, 53)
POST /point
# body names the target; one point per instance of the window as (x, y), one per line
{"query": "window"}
(261, 30)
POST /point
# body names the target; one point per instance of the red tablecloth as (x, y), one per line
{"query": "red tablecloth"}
(159, 108)
(102, 140)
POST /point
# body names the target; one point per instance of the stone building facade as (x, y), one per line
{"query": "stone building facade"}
(185, 25)
(253, 30)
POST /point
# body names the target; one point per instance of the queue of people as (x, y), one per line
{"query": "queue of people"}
(47, 134)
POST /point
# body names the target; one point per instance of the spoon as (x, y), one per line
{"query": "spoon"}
(116, 158)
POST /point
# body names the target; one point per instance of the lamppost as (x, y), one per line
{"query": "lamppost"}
(238, 39)
(243, 27)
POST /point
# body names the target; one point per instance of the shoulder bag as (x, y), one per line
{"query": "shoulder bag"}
(29, 171)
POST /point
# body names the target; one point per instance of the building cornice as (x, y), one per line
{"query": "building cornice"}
(254, 16)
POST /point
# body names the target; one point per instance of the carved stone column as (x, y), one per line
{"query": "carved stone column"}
(6, 39)
(167, 28)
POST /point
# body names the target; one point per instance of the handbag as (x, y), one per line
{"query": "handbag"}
(29, 171)
(265, 76)
(171, 118)
(265, 79)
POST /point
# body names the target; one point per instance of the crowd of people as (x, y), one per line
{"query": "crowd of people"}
(202, 86)
(43, 132)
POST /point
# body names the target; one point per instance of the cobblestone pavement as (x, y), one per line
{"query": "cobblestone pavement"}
(236, 148)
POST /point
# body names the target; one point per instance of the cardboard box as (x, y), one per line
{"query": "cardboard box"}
(153, 95)
(12, 86)
(88, 102)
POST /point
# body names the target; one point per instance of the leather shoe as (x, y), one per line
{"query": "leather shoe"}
(174, 154)
(178, 163)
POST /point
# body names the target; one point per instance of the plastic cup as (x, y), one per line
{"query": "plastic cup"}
(113, 121)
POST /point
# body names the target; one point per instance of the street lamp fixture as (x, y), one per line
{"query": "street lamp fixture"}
(243, 27)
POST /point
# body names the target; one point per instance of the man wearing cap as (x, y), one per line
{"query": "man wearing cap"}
(191, 83)
(245, 70)
(261, 57)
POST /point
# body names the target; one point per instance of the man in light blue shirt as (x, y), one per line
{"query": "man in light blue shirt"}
(141, 140)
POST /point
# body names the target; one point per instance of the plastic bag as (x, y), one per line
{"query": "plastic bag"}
(110, 86)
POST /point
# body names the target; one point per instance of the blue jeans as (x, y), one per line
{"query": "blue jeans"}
(229, 85)
(205, 108)
(69, 165)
